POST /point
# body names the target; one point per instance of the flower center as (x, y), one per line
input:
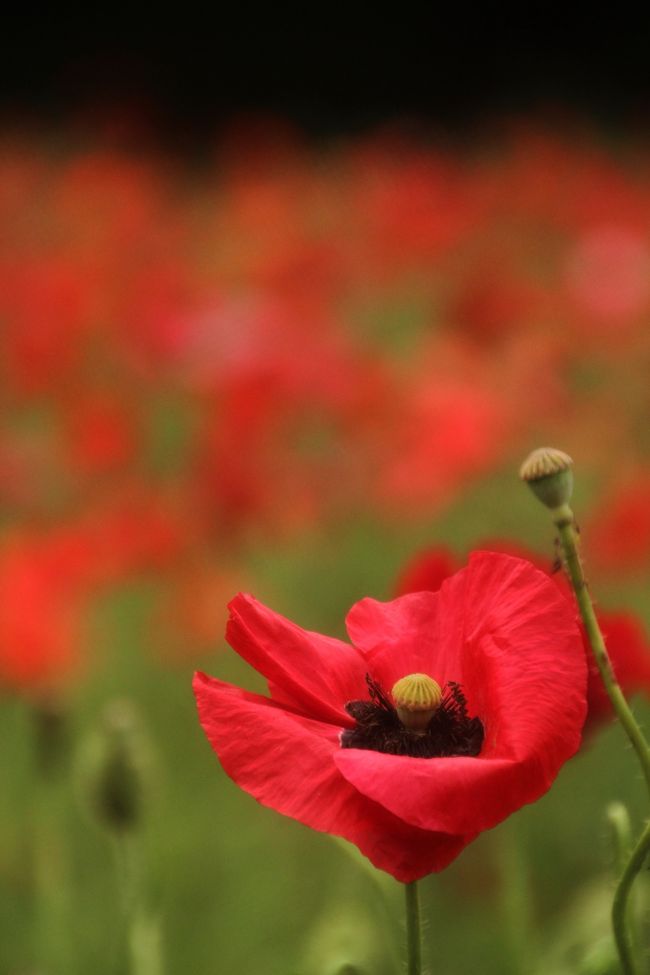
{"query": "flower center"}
(422, 720)
(417, 698)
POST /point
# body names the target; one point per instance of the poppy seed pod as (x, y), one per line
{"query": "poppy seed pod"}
(547, 471)
(417, 698)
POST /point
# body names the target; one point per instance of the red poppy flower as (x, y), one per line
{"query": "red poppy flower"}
(619, 529)
(329, 749)
(44, 581)
(627, 643)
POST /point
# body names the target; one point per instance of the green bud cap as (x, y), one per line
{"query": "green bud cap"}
(547, 471)
(117, 766)
(417, 697)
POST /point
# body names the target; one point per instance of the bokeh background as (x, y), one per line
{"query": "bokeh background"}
(278, 311)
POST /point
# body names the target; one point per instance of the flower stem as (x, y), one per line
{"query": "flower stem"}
(619, 823)
(50, 864)
(565, 523)
(139, 948)
(620, 923)
(413, 929)
(623, 907)
(515, 897)
(564, 520)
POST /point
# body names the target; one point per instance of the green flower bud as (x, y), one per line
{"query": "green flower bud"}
(116, 768)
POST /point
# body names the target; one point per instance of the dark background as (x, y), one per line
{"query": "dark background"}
(180, 79)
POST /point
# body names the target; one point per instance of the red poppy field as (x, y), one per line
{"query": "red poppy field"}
(310, 374)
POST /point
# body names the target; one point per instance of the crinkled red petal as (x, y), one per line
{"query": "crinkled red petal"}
(286, 762)
(311, 673)
(627, 643)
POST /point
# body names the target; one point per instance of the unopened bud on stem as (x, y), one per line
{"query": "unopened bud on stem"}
(118, 766)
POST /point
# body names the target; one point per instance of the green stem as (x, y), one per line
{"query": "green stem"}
(619, 822)
(413, 929)
(51, 868)
(564, 520)
(516, 899)
(139, 944)
(622, 934)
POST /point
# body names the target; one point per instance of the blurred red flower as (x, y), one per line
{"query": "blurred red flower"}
(627, 643)
(45, 598)
(619, 529)
(498, 636)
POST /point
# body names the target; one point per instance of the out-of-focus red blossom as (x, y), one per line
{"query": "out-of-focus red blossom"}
(445, 431)
(498, 627)
(46, 305)
(49, 578)
(493, 302)
(191, 614)
(45, 594)
(301, 400)
(409, 206)
(629, 650)
(108, 202)
(137, 530)
(427, 571)
(100, 433)
(608, 276)
(619, 530)
(296, 335)
(627, 643)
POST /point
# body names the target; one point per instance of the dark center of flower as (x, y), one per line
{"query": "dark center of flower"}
(423, 722)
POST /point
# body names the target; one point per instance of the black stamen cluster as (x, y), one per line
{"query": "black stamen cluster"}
(378, 727)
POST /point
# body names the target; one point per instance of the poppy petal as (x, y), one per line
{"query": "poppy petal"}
(314, 674)
(303, 781)
(466, 794)
(399, 637)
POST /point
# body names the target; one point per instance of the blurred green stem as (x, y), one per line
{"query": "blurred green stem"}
(515, 898)
(51, 881)
(619, 821)
(413, 929)
(139, 945)
(50, 865)
(620, 906)
(623, 906)
(565, 522)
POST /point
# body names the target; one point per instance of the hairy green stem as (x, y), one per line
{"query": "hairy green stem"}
(413, 929)
(564, 520)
